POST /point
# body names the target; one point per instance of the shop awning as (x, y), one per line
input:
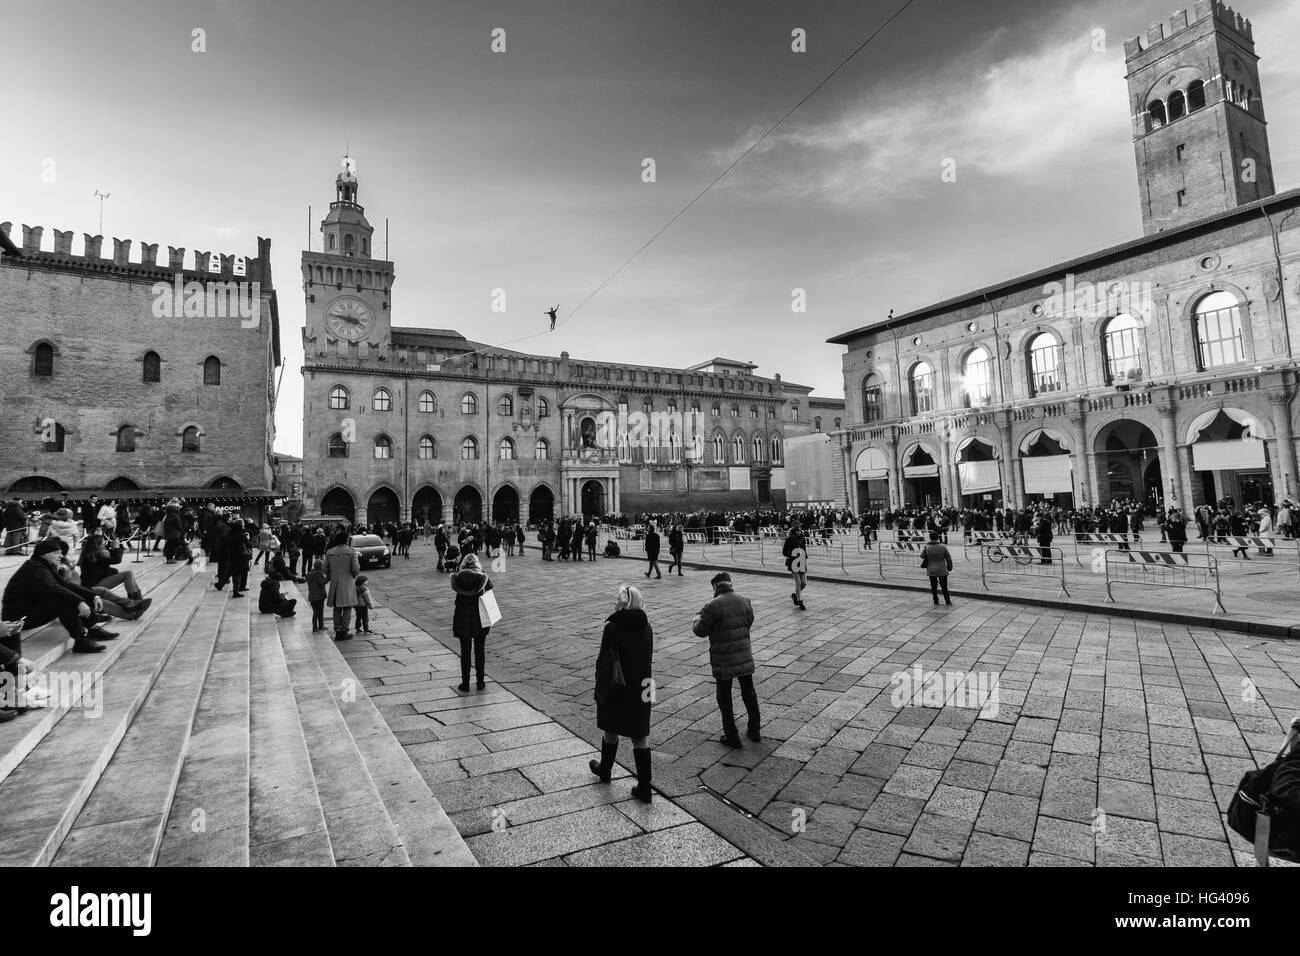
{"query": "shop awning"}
(1047, 474)
(1228, 455)
(921, 471)
(872, 463)
(977, 476)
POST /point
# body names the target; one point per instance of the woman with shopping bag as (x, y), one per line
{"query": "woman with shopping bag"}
(476, 612)
(625, 689)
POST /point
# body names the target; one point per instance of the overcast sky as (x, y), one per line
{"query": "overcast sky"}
(522, 170)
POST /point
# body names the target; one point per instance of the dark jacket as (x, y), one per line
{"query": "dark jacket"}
(173, 528)
(270, 600)
(468, 585)
(936, 559)
(316, 586)
(725, 621)
(35, 585)
(95, 563)
(15, 517)
(1176, 528)
(652, 545)
(625, 710)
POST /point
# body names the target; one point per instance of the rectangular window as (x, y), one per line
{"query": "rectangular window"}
(1045, 369)
(873, 404)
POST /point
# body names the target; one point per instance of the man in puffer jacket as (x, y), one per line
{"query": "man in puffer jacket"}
(726, 621)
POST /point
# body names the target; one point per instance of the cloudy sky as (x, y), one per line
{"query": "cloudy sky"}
(522, 170)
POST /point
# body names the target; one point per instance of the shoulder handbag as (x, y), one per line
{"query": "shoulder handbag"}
(488, 611)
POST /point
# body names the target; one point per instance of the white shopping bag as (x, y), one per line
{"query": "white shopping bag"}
(488, 612)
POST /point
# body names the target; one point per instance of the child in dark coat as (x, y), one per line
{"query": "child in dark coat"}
(317, 587)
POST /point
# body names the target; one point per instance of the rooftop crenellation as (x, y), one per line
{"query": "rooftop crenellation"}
(129, 255)
(1160, 31)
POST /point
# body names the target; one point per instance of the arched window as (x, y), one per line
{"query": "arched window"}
(365, 246)
(468, 450)
(43, 359)
(212, 370)
(348, 243)
(383, 447)
(126, 438)
(382, 400)
(427, 449)
(1195, 96)
(190, 439)
(339, 398)
(922, 379)
(541, 451)
(1121, 350)
(873, 400)
(1177, 105)
(469, 404)
(505, 405)
(719, 455)
(738, 450)
(427, 404)
(716, 410)
(1218, 331)
(152, 367)
(338, 447)
(794, 413)
(756, 446)
(776, 449)
(55, 444)
(977, 378)
(1045, 366)
(543, 407)
(753, 411)
(1156, 111)
(331, 239)
(506, 450)
(817, 423)
(735, 411)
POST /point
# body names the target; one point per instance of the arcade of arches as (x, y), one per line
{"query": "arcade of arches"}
(1225, 453)
(428, 504)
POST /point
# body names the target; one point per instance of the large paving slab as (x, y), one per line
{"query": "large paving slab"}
(514, 781)
(1113, 740)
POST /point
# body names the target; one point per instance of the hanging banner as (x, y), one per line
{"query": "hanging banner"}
(872, 463)
(1228, 455)
(1048, 474)
(921, 471)
(977, 476)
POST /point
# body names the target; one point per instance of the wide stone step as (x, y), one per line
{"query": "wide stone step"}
(286, 822)
(208, 824)
(45, 793)
(51, 652)
(361, 833)
(426, 832)
(122, 822)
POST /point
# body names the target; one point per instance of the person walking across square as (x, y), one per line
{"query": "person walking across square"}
(726, 621)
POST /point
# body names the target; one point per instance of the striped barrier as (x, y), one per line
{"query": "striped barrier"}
(1164, 569)
(1023, 561)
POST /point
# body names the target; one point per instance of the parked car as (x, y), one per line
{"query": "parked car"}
(372, 549)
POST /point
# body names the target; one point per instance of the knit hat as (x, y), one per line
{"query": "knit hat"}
(47, 546)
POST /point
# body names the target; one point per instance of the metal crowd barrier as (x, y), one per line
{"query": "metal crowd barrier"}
(1101, 541)
(899, 553)
(1023, 561)
(1289, 547)
(978, 539)
(1164, 569)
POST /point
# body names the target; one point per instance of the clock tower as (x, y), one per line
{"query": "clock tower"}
(348, 294)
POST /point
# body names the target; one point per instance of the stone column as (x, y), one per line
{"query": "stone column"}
(1279, 406)
(1171, 471)
(947, 483)
(1082, 478)
(895, 472)
(1010, 492)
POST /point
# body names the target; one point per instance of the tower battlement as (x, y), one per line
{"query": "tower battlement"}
(1179, 23)
(197, 264)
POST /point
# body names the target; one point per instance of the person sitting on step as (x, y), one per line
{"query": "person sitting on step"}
(35, 595)
(272, 601)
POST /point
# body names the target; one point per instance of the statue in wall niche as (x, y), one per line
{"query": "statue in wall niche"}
(588, 433)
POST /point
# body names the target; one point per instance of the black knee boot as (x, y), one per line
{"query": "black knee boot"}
(642, 789)
(605, 766)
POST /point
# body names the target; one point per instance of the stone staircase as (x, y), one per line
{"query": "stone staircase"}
(209, 734)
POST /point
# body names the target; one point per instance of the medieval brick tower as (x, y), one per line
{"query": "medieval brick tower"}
(1199, 133)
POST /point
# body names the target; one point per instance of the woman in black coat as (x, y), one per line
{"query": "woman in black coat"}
(239, 555)
(652, 552)
(623, 709)
(470, 583)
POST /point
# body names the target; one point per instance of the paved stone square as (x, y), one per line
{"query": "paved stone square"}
(1112, 741)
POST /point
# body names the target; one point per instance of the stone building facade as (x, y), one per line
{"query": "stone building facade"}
(402, 422)
(1161, 370)
(126, 377)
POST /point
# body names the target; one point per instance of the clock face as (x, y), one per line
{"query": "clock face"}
(349, 318)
